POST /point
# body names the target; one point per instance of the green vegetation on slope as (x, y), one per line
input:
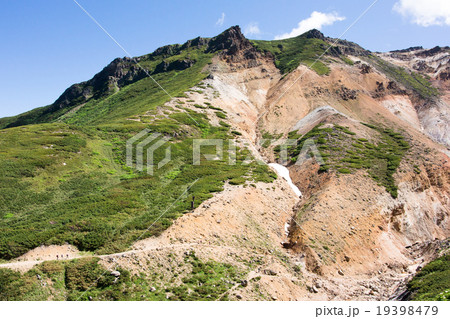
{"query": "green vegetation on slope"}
(290, 53)
(344, 153)
(85, 279)
(433, 281)
(30, 117)
(346, 60)
(63, 183)
(411, 80)
(145, 94)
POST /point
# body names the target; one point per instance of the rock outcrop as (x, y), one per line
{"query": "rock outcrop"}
(119, 73)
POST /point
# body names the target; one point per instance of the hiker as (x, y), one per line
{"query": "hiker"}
(193, 203)
(57, 257)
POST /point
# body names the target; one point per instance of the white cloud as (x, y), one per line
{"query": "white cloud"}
(316, 20)
(425, 13)
(221, 20)
(252, 29)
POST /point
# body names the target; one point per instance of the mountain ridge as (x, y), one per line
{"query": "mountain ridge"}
(124, 71)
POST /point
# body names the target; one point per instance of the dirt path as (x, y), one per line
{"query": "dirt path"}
(25, 265)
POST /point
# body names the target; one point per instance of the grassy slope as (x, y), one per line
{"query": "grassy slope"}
(65, 184)
(433, 281)
(290, 53)
(342, 152)
(29, 117)
(411, 80)
(145, 94)
(192, 279)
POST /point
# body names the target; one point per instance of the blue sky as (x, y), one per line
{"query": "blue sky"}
(49, 45)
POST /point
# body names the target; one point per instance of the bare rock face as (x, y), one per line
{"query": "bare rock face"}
(346, 93)
(365, 68)
(394, 88)
(433, 65)
(175, 65)
(231, 40)
(431, 52)
(444, 76)
(314, 34)
(344, 47)
(235, 46)
(408, 49)
(396, 217)
(421, 66)
(313, 262)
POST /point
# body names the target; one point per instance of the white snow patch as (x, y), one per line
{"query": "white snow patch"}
(284, 172)
(286, 229)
